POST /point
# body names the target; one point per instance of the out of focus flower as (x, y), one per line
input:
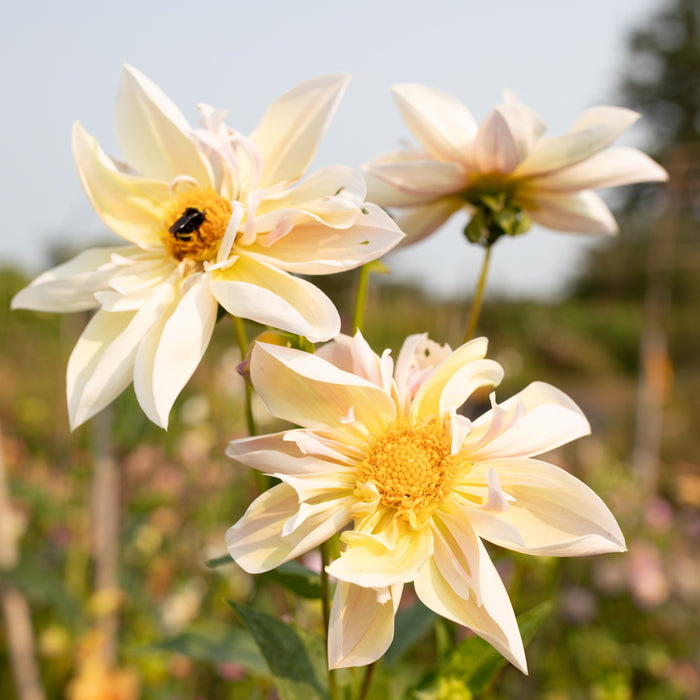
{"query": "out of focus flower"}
(385, 451)
(213, 218)
(503, 173)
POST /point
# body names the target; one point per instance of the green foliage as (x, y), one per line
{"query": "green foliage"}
(296, 658)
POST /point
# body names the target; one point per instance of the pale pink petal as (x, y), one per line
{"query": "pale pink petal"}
(418, 222)
(456, 378)
(460, 583)
(579, 212)
(442, 124)
(425, 179)
(361, 625)
(293, 126)
(547, 418)
(311, 392)
(595, 130)
(385, 195)
(368, 560)
(152, 133)
(554, 512)
(130, 205)
(101, 364)
(252, 289)
(162, 374)
(274, 454)
(316, 249)
(503, 141)
(256, 541)
(72, 285)
(611, 168)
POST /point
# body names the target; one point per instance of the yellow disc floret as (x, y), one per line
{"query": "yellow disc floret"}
(411, 468)
(195, 221)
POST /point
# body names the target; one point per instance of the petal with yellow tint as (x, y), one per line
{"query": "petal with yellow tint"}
(153, 135)
(537, 419)
(130, 205)
(418, 222)
(72, 285)
(361, 625)
(256, 541)
(293, 125)
(314, 248)
(485, 607)
(305, 389)
(555, 513)
(576, 212)
(425, 179)
(252, 288)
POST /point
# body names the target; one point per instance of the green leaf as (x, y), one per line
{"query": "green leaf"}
(297, 660)
(474, 663)
(297, 578)
(409, 626)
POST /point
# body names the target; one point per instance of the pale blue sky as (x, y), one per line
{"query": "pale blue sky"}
(60, 62)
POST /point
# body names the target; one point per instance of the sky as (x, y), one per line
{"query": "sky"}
(60, 62)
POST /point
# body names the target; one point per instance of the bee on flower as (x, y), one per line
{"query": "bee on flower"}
(211, 218)
(383, 457)
(503, 173)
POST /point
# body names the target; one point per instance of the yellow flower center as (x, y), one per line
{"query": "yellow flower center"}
(412, 470)
(194, 223)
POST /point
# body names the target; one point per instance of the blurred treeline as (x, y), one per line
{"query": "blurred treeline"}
(624, 344)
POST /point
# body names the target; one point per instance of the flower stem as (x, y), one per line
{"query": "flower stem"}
(360, 299)
(242, 340)
(326, 605)
(367, 681)
(478, 296)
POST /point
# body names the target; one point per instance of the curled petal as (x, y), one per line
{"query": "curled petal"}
(293, 126)
(479, 602)
(537, 419)
(167, 360)
(440, 122)
(256, 541)
(361, 625)
(72, 285)
(554, 512)
(375, 562)
(579, 212)
(311, 392)
(152, 133)
(130, 205)
(455, 379)
(252, 289)
(101, 364)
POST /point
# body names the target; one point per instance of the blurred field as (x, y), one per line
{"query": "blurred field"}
(622, 626)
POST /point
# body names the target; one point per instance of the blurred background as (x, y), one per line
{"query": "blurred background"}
(104, 532)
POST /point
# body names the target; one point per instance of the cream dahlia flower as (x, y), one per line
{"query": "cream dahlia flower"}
(385, 452)
(212, 218)
(503, 173)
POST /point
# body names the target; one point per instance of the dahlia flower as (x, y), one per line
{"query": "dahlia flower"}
(211, 218)
(503, 173)
(384, 457)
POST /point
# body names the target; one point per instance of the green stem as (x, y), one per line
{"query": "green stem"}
(242, 340)
(326, 605)
(367, 681)
(360, 299)
(478, 296)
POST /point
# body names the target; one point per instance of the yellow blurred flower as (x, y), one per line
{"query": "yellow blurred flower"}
(386, 451)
